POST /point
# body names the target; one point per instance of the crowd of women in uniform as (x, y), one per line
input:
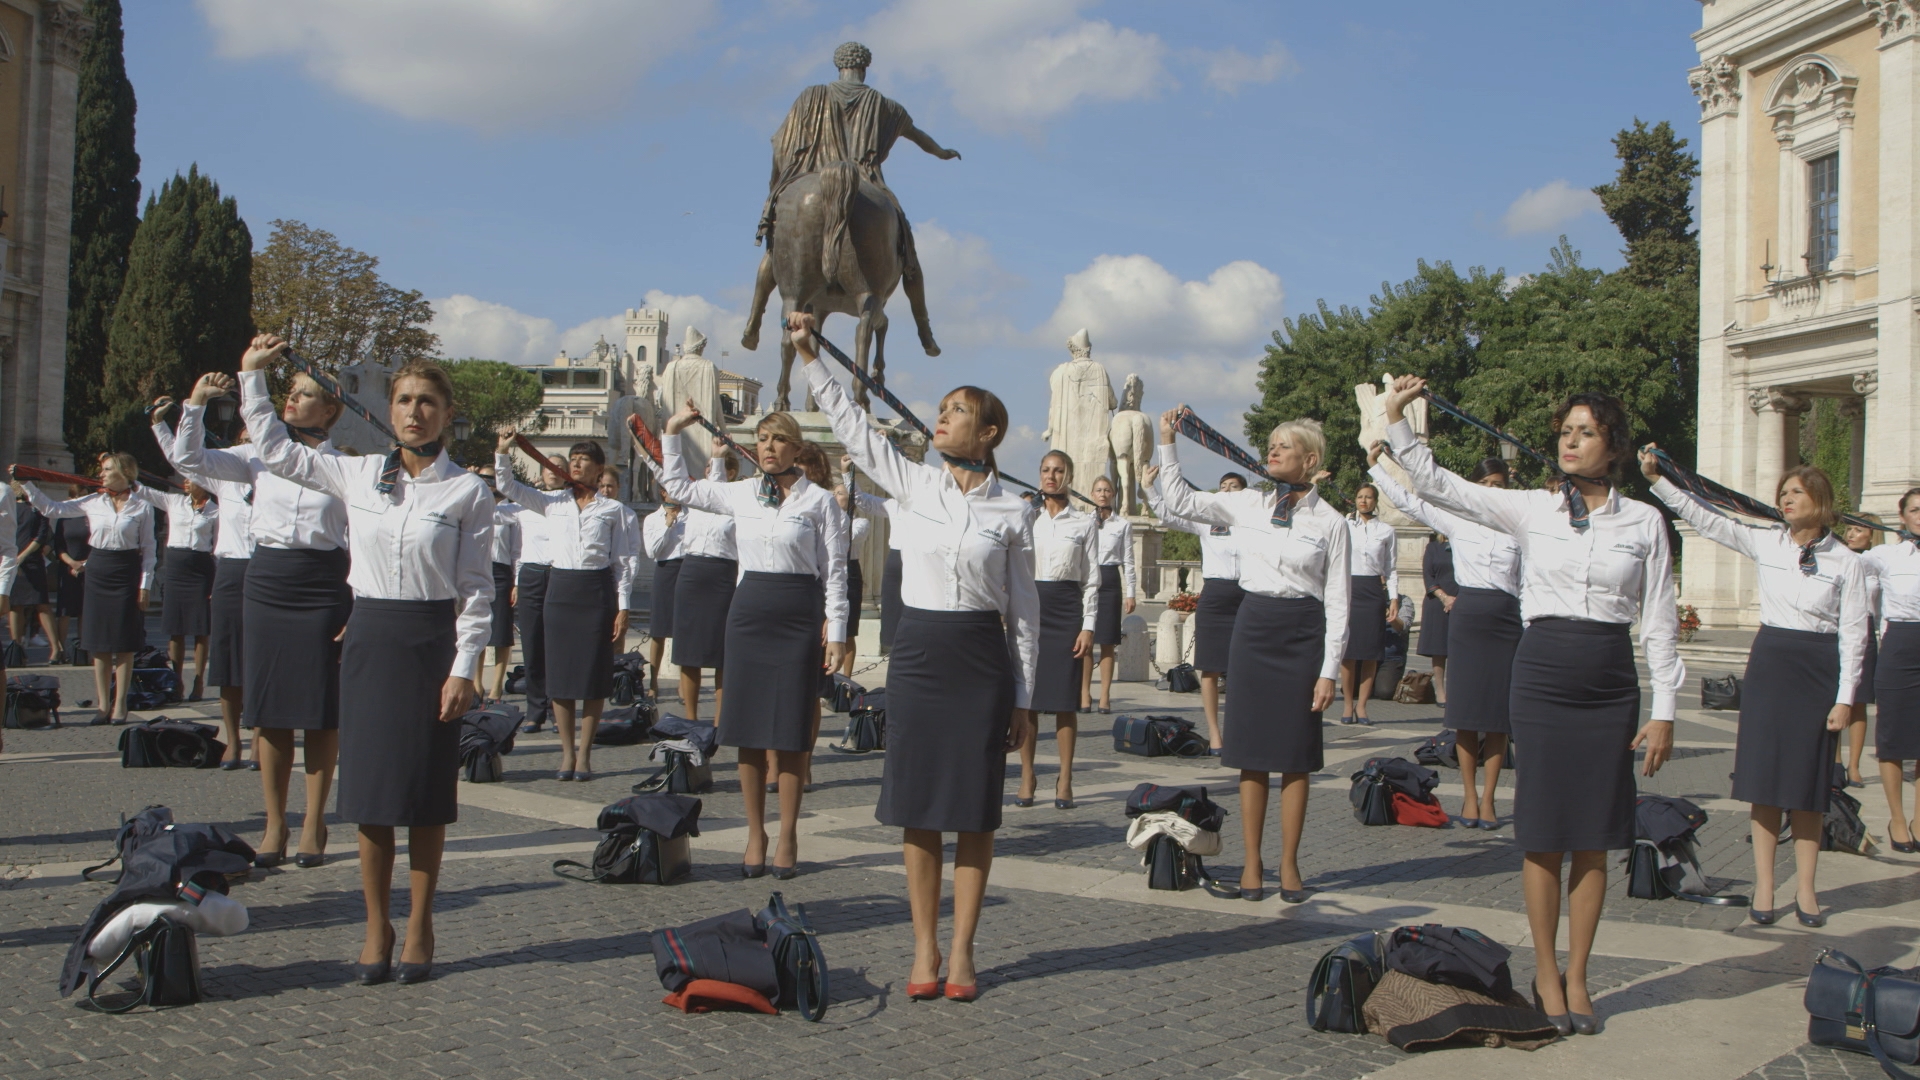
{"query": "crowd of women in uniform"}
(352, 600)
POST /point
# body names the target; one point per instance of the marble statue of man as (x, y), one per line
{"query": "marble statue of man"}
(1373, 428)
(1132, 440)
(692, 375)
(1078, 416)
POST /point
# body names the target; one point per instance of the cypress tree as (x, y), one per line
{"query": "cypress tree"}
(186, 309)
(106, 211)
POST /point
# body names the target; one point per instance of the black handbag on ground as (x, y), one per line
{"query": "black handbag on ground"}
(485, 735)
(1172, 867)
(1663, 863)
(133, 832)
(866, 731)
(797, 960)
(1157, 736)
(1191, 803)
(76, 655)
(629, 679)
(730, 948)
(1868, 1012)
(1182, 679)
(1452, 956)
(645, 842)
(14, 655)
(1721, 692)
(168, 957)
(33, 701)
(625, 725)
(163, 743)
(678, 775)
(1438, 751)
(1372, 797)
(1342, 981)
(517, 679)
(1844, 830)
(152, 688)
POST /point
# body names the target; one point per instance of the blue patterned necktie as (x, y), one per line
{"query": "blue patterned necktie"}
(1808, 564)
(1282, 505)
(1576, 502)
(390, 475)
(771, 494)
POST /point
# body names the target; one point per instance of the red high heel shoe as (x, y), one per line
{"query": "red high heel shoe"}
(926, 991)
(956, 992)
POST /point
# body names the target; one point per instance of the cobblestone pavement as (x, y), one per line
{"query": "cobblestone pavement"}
(1084, 972)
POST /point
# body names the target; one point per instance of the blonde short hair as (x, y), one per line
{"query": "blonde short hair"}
(1304, 434)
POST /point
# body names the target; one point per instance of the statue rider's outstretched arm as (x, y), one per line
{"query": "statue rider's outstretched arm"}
(925, 142)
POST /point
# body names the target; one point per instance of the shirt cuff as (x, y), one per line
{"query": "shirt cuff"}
(1089, 624)
(1165, 454)
(1401, 438)
(466, 665)
(1330, 668)
(837, 630)
(1665, 705)
(146, 580)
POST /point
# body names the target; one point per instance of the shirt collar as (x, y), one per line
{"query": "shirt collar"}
(1611, 506)
(440, 469)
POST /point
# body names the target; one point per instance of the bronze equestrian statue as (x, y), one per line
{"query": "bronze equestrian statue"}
(836, 238)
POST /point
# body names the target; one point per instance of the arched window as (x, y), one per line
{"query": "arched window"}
(1811, 103)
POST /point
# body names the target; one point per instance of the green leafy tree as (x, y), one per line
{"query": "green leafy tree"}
(186, 309)
(489, 393)
(106, 211)
(330, 302)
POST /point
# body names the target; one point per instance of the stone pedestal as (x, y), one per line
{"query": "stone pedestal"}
(1169, 638)
(1131, 663)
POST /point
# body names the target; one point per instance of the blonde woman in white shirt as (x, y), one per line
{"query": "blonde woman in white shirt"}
(1802, 671)
(1066, 574)
(119, 573)
(1896, 680)
(422, 534)
(1113, 546)
(962, 667)
(295, 604)
(1288, 636)
(791, 542)
(1593, 563)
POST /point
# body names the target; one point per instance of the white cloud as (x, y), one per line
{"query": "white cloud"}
(470, 326)
(721, 325)
(1011, 64)
(968, 291)
(1544, 209)
(1230, 69)
(494, 65)
(1197, 342)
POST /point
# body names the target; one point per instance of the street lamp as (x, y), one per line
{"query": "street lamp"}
(222, 410)
(462, 428)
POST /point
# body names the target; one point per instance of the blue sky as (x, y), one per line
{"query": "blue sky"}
(1175, 177)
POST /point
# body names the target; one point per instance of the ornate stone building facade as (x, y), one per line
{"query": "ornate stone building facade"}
(1810, 253)
(40, 46)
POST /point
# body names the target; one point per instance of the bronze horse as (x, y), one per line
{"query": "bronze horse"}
(836, 251)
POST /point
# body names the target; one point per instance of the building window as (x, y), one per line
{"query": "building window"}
(1823, 212)
(592, 379)
(553, 377)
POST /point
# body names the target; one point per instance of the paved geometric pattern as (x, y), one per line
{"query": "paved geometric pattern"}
(1084, 973)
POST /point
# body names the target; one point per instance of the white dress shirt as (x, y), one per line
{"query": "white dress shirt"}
(1113, 546)
(629, 543)
(1374, 552)
(533, 538)
(285, 515)
(430, 538)
(959, 550)
(710, 536)
(506, 533)
(1831, 600)
(188, 526)
(233, 539)
(805, 534)
(128, 527)
(1310, 559)
(1896, 566)
(9, 550)
(1616, 570)
(1219, 551)
(663, 542)
(861, 527)
(876, 506)
(1482, 558)
(1063, 550)
(592, 537)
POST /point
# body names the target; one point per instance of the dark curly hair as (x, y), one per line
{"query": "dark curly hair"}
(1609, 415)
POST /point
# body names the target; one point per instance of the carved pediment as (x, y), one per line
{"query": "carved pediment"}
(1811, 82)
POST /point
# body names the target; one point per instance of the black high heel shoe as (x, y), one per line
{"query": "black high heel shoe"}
(1817, 920)
(308, 860)
(267, 860)
(414, 973)
(1562, 1022)
(1763, 918)
(373, 974)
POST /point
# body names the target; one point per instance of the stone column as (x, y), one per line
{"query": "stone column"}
(1894, 408)
(1779, 412)
(1854, 409)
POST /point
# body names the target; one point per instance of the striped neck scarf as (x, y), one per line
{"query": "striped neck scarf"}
(1808, 564)
(390, 475)
(771, 494)
(317, 434)
(1576, 502)
(1282, 505)
(972, 465)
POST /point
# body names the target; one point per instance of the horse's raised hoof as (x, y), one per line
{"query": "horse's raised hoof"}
(751, 339)
(932, 347)
(780, 404)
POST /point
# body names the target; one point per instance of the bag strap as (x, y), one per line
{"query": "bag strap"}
(594, 879)
(142, 938)
(1869, 1024)
(809, 997)
(656, 782)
